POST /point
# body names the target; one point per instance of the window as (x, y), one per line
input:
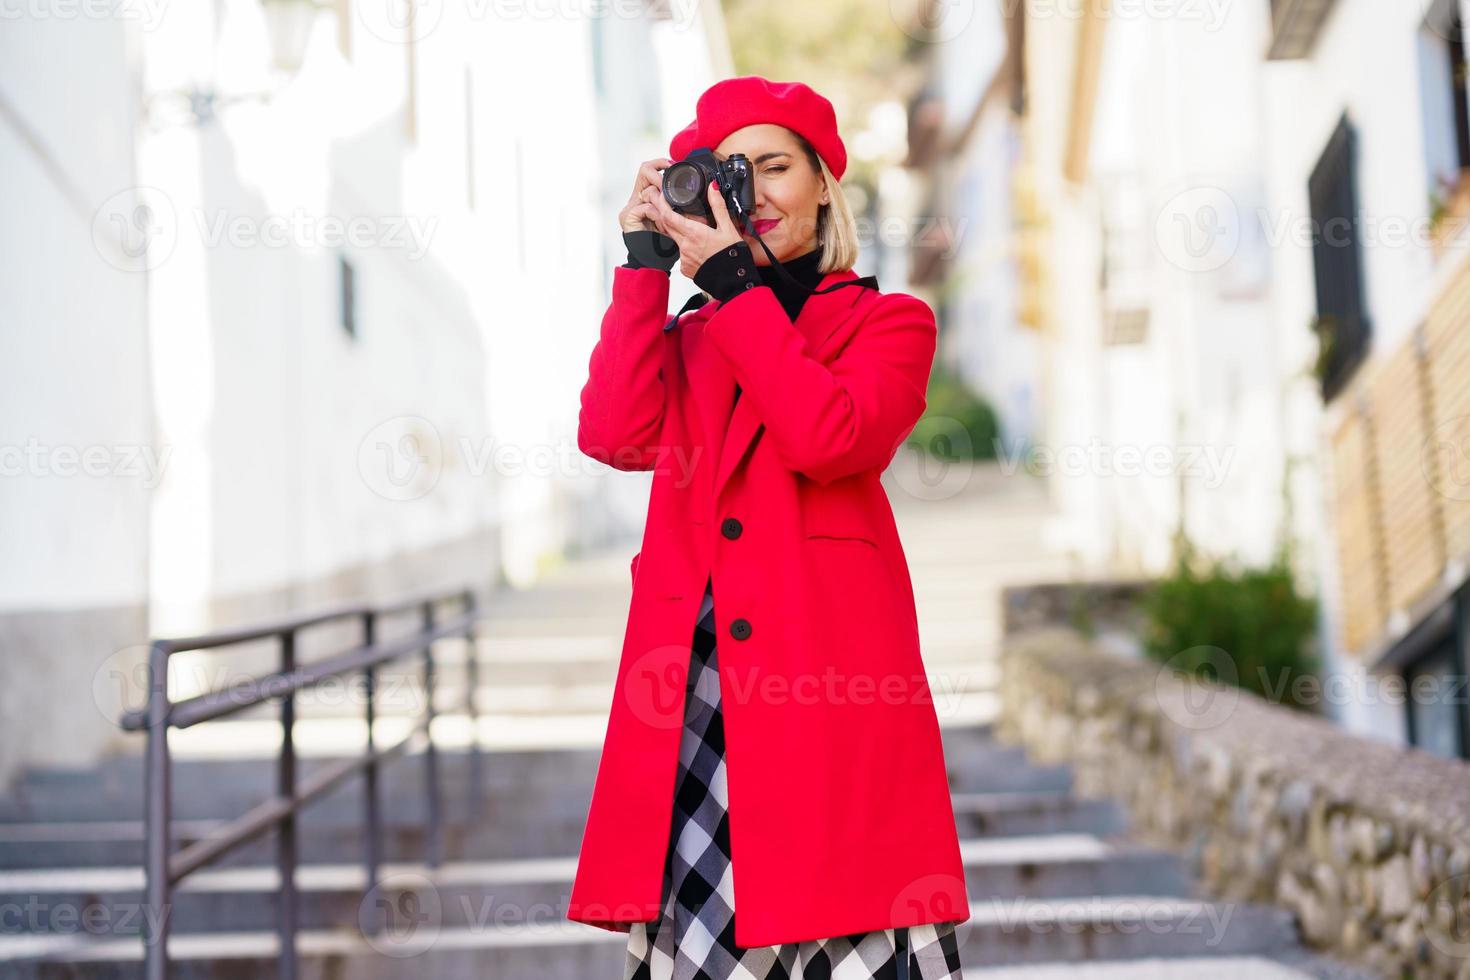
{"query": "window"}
(469, 138)
(1337, 261)
(1433, 659)
(347, 291)
(1296, 25)
(1434, 723)
(1446, 121)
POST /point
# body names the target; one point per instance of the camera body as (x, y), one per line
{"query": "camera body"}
(685, 184)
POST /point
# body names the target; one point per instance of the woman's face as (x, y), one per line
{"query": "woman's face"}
(788, 192)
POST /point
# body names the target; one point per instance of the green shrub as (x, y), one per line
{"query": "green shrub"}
(1264, 627)
(958, 423)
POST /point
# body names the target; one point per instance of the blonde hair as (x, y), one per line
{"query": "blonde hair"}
(836, 228)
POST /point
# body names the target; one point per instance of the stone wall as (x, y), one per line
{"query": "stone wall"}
(1368, 843)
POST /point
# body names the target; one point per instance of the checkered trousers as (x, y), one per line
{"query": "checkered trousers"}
(694, 937)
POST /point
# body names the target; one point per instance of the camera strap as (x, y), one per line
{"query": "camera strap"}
(698, 299)
(869, 281)
(692, 303)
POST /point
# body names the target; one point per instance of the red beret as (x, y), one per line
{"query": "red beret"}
(738, 102)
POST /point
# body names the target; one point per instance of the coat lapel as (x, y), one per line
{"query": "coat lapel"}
(729, 434)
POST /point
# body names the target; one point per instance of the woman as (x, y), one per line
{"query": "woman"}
(789, 754)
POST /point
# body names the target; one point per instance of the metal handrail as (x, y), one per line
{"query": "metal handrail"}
(165, 869)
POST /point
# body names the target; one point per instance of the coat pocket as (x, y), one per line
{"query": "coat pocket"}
(854, 536)
(842, 510)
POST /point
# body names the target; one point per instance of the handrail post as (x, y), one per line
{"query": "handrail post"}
(472, 661)
(157, 818)
(164, 870)
(286, 851)
(435, 844)
(372, 854)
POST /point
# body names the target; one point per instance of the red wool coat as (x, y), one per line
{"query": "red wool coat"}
(839, 807)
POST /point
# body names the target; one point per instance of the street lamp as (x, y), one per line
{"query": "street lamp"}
(288, 26)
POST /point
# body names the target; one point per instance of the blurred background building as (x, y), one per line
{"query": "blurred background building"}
(308, 286)
(1217, 226)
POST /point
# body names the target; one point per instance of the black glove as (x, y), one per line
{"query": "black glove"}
(649, 249)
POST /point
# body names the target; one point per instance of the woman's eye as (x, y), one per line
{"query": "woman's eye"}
(774, 170)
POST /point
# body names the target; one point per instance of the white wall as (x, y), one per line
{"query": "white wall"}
(73, 380)
(282, 426)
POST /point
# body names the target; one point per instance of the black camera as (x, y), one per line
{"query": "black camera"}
(686, 183)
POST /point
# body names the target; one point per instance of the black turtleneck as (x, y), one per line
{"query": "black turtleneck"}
(805, 270)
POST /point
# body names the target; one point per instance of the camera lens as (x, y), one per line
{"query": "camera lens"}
(683, 184)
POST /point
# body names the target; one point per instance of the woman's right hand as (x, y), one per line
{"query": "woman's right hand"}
(641, 214)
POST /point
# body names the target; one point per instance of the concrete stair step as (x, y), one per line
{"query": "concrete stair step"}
(551, 649)
(545, 950)
(530, 669)
(1034, 866)
(1037, 866)
(1020, 814)
(537, 679)
(330, 895)
(591, 692)
(212, 788)
(334, 737)
(1288, 965)
(1122, 929)
(1007, 779)
(966, 709)
(1066, 865)
(123, 773)
(509, 831)
(590, 598)
(224, 788)
(555, 625)
(91, 844)
(405, 698)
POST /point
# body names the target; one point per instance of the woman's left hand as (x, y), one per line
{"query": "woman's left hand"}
(697, 241)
